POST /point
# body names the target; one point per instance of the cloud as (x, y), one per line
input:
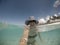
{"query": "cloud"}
(57, 3)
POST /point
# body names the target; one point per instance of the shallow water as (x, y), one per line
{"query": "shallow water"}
(11, 36)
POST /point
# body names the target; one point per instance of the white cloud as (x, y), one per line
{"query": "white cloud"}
(42, 21)
(57, 3)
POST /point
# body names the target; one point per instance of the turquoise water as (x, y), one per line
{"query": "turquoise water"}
(11, 35)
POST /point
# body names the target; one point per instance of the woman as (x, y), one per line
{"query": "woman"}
(32, 30)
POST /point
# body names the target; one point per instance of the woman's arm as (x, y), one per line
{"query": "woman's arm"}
(40, 37)
(24, 39)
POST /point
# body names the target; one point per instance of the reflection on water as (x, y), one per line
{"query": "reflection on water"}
(12, 34)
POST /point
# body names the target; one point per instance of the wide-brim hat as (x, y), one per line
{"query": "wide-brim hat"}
(31, 18)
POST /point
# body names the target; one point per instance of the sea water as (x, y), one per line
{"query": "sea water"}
(12, 34)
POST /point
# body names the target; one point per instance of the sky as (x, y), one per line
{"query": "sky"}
(17, 11)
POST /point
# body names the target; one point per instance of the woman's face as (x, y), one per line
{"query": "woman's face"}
(32, 23)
